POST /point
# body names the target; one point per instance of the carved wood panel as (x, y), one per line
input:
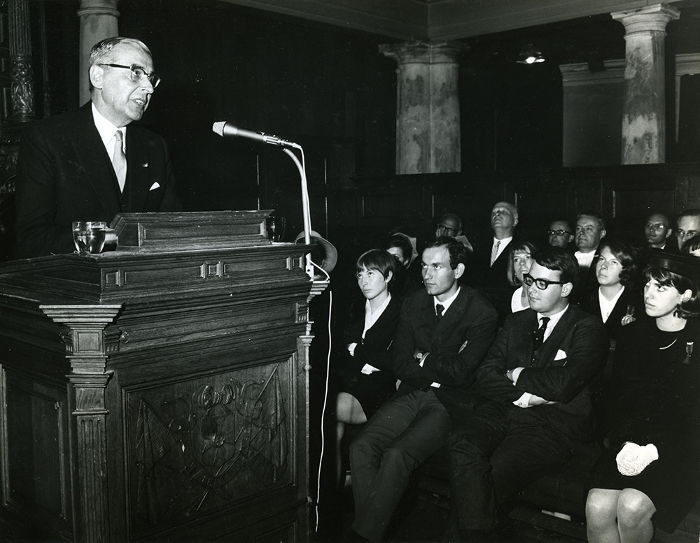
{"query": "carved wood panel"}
(36, 475)
(204, 444)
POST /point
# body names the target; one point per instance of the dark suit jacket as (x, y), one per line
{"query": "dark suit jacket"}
(630, 296)
(64, 174)
(374, 348)
(588, 281)
(493, 280)
(457, 345)
(562, 370)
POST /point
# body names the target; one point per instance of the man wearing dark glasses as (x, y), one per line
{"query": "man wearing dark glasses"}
(85, 165)
(560, 234)
(536, 378)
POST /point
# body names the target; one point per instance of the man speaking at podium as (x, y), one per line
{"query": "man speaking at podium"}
(85, 165)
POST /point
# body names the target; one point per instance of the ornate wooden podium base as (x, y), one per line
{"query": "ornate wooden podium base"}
(158, 392)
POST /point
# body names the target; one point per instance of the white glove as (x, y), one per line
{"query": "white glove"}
(633, 458)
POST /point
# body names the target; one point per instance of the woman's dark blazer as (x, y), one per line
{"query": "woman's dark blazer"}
(630, 297)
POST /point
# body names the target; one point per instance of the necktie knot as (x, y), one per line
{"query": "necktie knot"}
(439, 309)
(538, 335)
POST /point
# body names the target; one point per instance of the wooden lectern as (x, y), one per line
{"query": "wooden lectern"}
(158, 392)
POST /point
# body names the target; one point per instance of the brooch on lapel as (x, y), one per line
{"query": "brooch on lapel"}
(688, 352)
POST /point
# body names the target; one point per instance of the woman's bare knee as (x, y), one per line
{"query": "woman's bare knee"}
(634, 508)
(601, 506)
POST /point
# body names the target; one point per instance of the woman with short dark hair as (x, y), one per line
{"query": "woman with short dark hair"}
(364, 362)
(650, 475)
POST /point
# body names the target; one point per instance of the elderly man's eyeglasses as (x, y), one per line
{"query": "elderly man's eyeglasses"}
(137, 73)
(541, 284)
(446, 229)
(558, 233)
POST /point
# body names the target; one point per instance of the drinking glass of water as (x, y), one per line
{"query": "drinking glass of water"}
(80, 237)
(96, 233)
(89, 237)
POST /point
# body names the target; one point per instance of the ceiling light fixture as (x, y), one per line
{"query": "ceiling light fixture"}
(530, 55)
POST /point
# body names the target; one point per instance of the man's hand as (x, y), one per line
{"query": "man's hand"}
(536, 400)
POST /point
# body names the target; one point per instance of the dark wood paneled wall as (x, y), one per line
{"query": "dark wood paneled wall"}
(626, 195)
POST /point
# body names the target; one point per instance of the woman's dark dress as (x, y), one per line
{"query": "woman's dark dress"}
(656, 400)
(374, 389)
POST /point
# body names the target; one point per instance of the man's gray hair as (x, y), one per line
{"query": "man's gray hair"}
(101, 52)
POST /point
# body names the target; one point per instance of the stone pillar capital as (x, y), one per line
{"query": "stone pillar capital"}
(98, 7)
(421, 52)
(649, 19)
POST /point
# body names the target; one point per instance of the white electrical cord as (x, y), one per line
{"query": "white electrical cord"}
(325, 401)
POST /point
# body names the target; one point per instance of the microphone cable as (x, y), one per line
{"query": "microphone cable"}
(325, 393)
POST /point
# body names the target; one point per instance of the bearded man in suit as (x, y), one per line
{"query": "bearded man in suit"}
(68, 169)
(444, 333)
(536, 377)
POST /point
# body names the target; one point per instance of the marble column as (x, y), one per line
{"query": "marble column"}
(98, 20)
(427, 109)
(644, 106)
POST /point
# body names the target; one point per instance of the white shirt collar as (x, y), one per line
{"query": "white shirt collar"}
(607, 306)
(372, 316)
(553, 321)
(447, 303)
(105, 128)
(585, 259)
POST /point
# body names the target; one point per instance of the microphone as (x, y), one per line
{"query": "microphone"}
(226, 130)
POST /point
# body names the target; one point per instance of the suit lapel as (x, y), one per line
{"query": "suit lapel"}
(138, 170)
(550, 346)
(453, 314)
(92, 154)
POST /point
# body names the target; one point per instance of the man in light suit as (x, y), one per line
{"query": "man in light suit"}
(444, 333)
(66, 170)
(536, 377)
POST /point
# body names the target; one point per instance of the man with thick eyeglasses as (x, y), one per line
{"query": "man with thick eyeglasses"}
(92, 163)
(536, 378)
(560, 234)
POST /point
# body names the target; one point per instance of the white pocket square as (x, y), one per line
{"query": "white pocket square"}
(155, 186)
(560, 355)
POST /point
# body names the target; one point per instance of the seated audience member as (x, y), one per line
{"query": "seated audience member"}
(657, 231)
(364, 360)
(450, 225)
(590, 229)
(403, 249)
(616, 301)
(649, 475)
(491, 265)
(520, 261)
(443, 334)
(536, 377)
(691, 246)
(560, 234)
(687, 226)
